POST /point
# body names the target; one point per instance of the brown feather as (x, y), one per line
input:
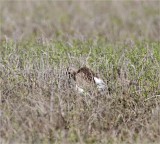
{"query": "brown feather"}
(87, 74)
(84, 77)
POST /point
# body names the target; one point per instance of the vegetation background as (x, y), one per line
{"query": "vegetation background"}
(117, 39)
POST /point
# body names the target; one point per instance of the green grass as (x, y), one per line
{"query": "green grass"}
(30, 80)
(117, 40)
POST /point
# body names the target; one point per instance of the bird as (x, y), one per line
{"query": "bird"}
(85, 80)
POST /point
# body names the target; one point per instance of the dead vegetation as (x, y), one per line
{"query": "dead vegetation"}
(112, 20)
(40, 40)
(38, 106)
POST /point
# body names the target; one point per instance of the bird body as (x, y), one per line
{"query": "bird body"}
(86, 80)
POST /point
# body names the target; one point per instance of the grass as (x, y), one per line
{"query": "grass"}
(37, 105)
(36, 102)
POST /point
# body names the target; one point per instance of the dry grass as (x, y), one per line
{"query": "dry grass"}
(118, 40)
(112, 20)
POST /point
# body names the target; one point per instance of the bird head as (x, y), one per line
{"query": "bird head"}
(71, 71)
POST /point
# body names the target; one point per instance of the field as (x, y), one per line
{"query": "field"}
(119, 40)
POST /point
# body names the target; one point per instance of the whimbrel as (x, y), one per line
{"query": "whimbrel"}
(84, 79)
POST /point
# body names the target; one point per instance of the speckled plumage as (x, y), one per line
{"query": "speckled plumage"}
(85, 79)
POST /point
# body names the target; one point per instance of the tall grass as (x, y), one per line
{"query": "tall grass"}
(112, 20)
(118, 40)
(37, 105)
